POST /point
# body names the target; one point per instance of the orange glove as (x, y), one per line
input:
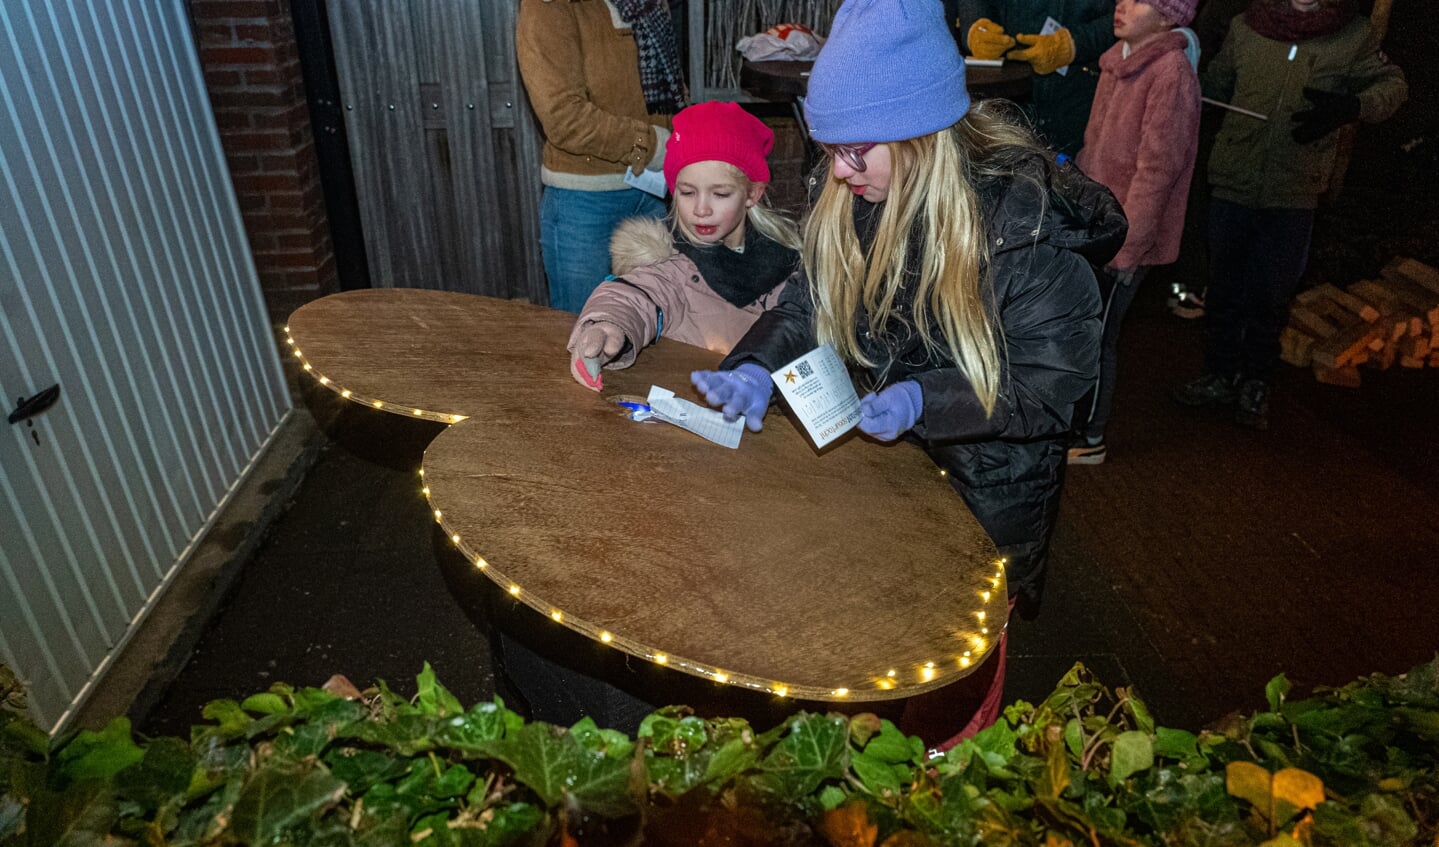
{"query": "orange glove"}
(987, 40)
(1047, 53)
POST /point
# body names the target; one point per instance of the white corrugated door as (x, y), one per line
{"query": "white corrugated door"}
(126, 280)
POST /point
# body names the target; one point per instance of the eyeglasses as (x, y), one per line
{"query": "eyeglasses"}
(850, 154)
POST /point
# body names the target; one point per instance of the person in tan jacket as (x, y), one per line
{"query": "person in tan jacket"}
(604, 77)
(720, 263)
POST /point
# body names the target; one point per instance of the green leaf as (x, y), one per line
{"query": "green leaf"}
(408, 734)
(1275, 692)
(434, 698)
(1132, 752)
(471, 732)
(551, 763)
(361, 769)
(80, 816)
(893, 747)
(672, 735)
(1074, 737)
(1175, 743)
(266, 704)
(100, 755)
(612, 743)
(275, 799)
(812, 752)
(163, 774)
(876, 775)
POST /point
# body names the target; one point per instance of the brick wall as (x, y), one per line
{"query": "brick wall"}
(252, 71)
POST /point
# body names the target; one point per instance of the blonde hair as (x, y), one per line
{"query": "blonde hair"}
(770, 223)
(932, 199)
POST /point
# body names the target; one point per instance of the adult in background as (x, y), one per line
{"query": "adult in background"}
(947, 260)
(1309, 67)
(604, 78)
(1065, 60)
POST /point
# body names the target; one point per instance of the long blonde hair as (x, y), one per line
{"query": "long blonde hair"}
(773, 224)
(931, 197)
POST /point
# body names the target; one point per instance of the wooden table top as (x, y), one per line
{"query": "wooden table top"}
(787, 80)
(855, 574)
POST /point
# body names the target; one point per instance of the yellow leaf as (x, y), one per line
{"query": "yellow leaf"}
(848, 826)
(1300, 789)
(1250, 782)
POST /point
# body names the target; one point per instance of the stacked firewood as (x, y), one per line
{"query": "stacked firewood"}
(1374, 323)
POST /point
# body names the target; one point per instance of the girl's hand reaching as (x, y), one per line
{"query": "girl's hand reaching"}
(597, 343)
(743, 391)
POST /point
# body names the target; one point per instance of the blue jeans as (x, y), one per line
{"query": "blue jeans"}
(575, 229)
(1256, 257)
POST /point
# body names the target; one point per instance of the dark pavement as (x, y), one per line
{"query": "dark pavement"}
(1196, 563)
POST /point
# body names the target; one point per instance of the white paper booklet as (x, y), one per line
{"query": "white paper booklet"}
(820, 393)
(1051, 26)
(702, 421)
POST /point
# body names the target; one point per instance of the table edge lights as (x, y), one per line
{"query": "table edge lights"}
(924, 676)
(372, 402)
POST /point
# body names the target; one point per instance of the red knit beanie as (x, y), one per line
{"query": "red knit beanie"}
(716, 131)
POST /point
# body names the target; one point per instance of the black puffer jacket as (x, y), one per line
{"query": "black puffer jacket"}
(1045, 227)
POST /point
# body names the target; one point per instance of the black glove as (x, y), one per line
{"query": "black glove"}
(1330, 111)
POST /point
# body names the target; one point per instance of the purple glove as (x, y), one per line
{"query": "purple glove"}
(892, 411)
(742, 391)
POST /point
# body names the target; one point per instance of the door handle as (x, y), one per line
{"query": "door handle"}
(28, 407)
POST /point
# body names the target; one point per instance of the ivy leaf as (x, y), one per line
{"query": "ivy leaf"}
(361, 769)
(274, 799)
(163, 775)
(615, 744)
(231, 722)
(1175, 744)
(812, 752)
(471, 732)
(876, 775)
(80, 816)
(1132, 752)
(407, 735)
(673, 735)
(266, 704)
(1277, 797)
(894, 747)
(100, 755)
(1275, 692)
(434, 698)
(848, 826)
(551, 763)
(1380, 822)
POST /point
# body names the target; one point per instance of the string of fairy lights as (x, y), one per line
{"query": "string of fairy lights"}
(917, 678)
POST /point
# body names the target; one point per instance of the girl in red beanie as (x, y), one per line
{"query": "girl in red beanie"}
(706, 278)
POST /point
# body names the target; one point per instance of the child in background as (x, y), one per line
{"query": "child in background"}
(1141, 143)
(706, 278)
(1310, 67)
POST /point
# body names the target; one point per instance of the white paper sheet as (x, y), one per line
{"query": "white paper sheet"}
(820, 393)
(702, 421)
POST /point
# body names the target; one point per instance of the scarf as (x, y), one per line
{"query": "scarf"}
(1279, 21)
(742, 277)
(661, 77)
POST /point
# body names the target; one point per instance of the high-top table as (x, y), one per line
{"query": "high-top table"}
(848, 575)
(784, 81)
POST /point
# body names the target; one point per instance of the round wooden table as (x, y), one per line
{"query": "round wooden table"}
(852, 574)
(782, 81)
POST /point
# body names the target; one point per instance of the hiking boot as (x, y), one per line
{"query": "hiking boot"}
(1252, 409)
(1087, 453)
(1205, 390)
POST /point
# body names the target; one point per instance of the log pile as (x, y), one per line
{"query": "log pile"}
(1374, 323)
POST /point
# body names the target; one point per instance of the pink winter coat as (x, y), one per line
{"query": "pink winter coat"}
(1141, 142)
(657, 279)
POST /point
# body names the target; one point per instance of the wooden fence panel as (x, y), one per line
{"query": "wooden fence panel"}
(446, 151)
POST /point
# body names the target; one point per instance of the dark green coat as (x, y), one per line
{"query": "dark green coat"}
(1257, 163)
(1059, 105)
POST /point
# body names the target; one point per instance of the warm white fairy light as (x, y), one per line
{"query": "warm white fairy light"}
(455, 539)
(841, 692)
(661, 659)
(425, 491)
(378, 404)
(481, 563)
(557, 615)
(606, 637)
(515, 590)
(721, 676)
(346, 393)
(437, 514)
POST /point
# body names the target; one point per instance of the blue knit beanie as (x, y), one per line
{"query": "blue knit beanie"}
(889, 70)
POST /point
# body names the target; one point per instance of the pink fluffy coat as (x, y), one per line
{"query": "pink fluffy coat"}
(1141, 142)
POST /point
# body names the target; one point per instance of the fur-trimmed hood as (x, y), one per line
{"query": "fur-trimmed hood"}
(637, 242)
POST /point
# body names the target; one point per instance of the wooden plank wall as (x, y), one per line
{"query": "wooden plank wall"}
(446, 150)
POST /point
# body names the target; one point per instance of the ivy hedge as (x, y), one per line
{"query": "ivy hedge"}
(1352, 766)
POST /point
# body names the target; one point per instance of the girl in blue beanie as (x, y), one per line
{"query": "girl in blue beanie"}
(947, 260)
